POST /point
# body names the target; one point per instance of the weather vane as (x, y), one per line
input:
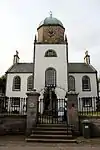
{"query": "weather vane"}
(50, 14)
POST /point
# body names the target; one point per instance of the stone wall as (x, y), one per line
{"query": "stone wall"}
(12, 124)
(72, 110)
(44, 35)
(94, 126)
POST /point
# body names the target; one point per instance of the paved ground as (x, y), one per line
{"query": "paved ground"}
(18, 143)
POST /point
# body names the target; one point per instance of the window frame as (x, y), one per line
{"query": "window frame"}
(13, 101)
(69, 83)
(47, 53)
(29, 89)
(54, 78)
(16, 84)
(84, 99)
(89, 83)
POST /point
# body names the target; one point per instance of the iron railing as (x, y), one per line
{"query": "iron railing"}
(55, 112)
(13, 105)
(89, 106)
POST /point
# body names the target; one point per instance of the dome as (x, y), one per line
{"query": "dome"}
(50, 21)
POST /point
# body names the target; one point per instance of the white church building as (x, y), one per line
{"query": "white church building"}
(51, 68)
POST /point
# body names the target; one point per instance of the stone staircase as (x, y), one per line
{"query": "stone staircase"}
(53, 133)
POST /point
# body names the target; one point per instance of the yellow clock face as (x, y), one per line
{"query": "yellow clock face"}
(51, 32)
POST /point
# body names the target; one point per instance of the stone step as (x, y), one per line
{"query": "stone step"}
(50, 136)
(53, 132)
(52, 129)
(51, 140)
(53, 125)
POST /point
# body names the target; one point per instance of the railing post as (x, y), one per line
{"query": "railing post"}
(9, 104)
(20, 107)
(31, 111)
(72, 110)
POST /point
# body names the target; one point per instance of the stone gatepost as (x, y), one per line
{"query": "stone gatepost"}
(72, 110)
(32, 104)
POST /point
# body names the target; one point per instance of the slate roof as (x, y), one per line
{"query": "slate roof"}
(80, 68)
(21, 68)
(72, 68)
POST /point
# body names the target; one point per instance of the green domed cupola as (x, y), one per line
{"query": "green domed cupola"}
(51, 30)
(50, 21)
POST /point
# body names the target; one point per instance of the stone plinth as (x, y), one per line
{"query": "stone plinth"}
(72, 109)
(32, 102)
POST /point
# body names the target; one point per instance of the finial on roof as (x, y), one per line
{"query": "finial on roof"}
(17, 53)
(50, 14)
(87, 57)
(86, 52)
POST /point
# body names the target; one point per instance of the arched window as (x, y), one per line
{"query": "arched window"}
(86, 83)
(50, 53)
(71, 83)
(30, 83)
(50, 77)
(16, 83)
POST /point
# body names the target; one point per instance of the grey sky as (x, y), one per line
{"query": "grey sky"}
(19, 20)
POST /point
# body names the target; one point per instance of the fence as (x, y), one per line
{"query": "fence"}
(52, 111)
(89, 106)
(13, 105)
(16, 105)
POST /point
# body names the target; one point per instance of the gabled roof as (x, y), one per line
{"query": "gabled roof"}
(21, 68)
(80, 68)
(72, 68)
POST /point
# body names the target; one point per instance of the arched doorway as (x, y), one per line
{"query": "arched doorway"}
(50, 98)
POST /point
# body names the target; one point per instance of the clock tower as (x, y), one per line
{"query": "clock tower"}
(51, 57)
(52, 33)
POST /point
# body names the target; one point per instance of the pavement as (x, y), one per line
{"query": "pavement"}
(19, 143)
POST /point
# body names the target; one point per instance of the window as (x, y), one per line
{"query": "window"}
(87, 101)
(30, 83)
(50, 53)
(15, 105)
(50, 77)
(16, 83)
(86, 83)
(15, 101)
(71, 83)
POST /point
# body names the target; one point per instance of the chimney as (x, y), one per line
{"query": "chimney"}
(87, 58)
(16, 58)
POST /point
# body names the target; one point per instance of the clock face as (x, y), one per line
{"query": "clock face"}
(51, 31)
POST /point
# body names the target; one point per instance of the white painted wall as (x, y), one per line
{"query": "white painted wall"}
(60, 92)
(78, 84)
(92, 93)
(59, 63)
(22, 92)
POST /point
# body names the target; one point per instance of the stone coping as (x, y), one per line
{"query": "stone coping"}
(33, 93)
(72, 93)
(13, 115)
(89, 117)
